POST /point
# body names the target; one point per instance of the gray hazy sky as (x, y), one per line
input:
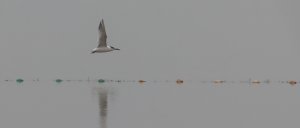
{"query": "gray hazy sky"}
(159, 39)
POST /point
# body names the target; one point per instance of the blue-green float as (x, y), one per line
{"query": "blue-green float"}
(58, 80)
(101, 81)
(19, 80)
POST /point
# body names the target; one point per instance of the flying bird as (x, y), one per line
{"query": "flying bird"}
(102, 44)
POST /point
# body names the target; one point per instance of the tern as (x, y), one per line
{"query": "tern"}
(102, 44)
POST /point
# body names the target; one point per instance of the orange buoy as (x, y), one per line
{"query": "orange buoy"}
(179, 81)
(292, 82)
(141, 81)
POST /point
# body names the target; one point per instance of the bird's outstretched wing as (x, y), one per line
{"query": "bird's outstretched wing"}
(102, 35)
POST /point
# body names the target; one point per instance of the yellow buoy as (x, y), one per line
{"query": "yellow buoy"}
(218, 81)
(255, 82)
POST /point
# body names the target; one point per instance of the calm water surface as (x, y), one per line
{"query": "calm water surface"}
(152, 105)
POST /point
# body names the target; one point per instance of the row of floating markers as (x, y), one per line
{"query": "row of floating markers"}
(178, 81)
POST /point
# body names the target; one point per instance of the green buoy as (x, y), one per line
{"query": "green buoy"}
(101, 81)
(19, 80)
(58, 80)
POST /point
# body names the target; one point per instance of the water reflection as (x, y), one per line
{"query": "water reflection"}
(111, 105)
(102, 95)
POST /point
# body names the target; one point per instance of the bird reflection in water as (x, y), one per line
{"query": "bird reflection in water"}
(102, 98)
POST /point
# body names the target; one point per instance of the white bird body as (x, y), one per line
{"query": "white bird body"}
(102, 49)
(102, 44)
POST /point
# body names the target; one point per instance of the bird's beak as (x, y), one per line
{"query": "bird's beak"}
(115, 48)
